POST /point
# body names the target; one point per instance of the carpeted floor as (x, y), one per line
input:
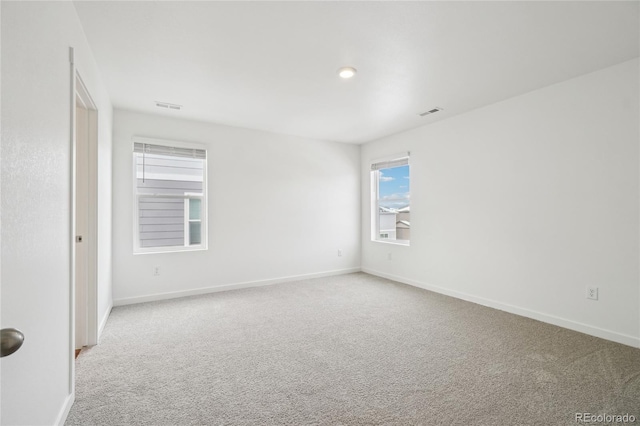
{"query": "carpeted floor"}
(345, 350)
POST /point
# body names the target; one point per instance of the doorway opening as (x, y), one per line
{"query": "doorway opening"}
(85, 210)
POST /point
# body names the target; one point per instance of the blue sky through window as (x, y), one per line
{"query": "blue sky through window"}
(394, 187)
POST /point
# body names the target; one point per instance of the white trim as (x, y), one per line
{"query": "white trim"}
(406, 243)
(613, 336)
(72, 224)
(78, 90)
(185, 224)
(103, 321)
(373, 206)
(226, 287)
(169, 249)
(85, 96)
(64, 410)
(204, 245)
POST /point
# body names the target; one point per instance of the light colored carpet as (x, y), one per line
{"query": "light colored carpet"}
(345, 350)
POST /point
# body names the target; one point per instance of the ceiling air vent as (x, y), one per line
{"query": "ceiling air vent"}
(431, 111)
(168, 105)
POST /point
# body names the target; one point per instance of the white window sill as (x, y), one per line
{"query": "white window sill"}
(156, 250)
(405, 243)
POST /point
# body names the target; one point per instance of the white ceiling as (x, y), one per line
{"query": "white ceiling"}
(272, 65)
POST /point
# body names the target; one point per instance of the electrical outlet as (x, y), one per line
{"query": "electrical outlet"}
(389, 257)
(339, 252)
(592, 293)
(156, 271)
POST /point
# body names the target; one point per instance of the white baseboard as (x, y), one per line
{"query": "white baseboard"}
(64, 410)
(103, 321)
(226, 287)
(540, 316)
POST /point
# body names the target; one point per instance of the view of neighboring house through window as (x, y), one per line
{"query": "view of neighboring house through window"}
(170, 196)
(391, 216)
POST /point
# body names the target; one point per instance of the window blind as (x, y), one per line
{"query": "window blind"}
(147, 148)
(390, 163)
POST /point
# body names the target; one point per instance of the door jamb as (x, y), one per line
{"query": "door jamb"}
(78, 89)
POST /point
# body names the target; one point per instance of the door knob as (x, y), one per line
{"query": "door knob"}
(10, 341)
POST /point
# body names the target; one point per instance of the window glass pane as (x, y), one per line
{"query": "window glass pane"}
(160, 221)
(194, 209)
(394, 213)
(194, 233)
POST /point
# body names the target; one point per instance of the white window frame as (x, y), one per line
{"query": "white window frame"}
(187, 195)
(187, 216)
(375, 195)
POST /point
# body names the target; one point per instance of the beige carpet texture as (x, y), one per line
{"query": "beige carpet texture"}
(346, 350)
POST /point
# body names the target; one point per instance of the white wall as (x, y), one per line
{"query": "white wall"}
(36, 172)
(522, 204)
(279, 206)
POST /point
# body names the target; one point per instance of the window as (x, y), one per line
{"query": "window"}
(391, 212)
(170, 196)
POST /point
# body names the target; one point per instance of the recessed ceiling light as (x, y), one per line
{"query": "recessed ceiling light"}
(347, 72)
